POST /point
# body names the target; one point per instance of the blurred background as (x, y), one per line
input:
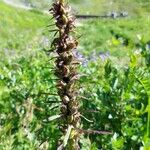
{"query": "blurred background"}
(134, 7)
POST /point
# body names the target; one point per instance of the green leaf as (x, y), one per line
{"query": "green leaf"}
(146, 85)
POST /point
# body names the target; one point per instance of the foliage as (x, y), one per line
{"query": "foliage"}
(15, 26)
(113, 94)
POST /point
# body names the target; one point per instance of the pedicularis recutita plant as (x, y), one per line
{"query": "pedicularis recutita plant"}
(66, 64)
(65, 71)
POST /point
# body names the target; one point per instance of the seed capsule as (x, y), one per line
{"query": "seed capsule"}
(62, 10)
(70, 119)
(61, 85)
(65, 99)
(61, 1)
(69, 59)
(59, 63)
(63, 109)
(73, 103)
(70, 45)
(64, 19)
(74, 110)
(76, 118)
(65, 71)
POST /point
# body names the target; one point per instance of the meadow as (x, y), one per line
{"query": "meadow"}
(114, 88)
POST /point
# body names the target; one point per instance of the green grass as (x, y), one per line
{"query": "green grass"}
(118, 37)
(20, 29)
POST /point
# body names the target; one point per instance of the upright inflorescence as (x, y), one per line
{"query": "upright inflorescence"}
(66, 65)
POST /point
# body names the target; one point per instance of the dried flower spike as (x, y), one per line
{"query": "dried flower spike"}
(65, 44)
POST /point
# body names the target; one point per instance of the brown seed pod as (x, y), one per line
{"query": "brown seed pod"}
(61, 85)
(65, 19)
(65, 99)
(70, 89)
(63, 10)
(71, 43)
(59, 63)
(67, 57)
(76, 118)
(73, 103)
(63, 109)
(65, 71)
(70, 119)
(73, 110)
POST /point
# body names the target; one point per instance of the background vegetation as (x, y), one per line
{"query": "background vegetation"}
(134, 7)
(115, 91)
